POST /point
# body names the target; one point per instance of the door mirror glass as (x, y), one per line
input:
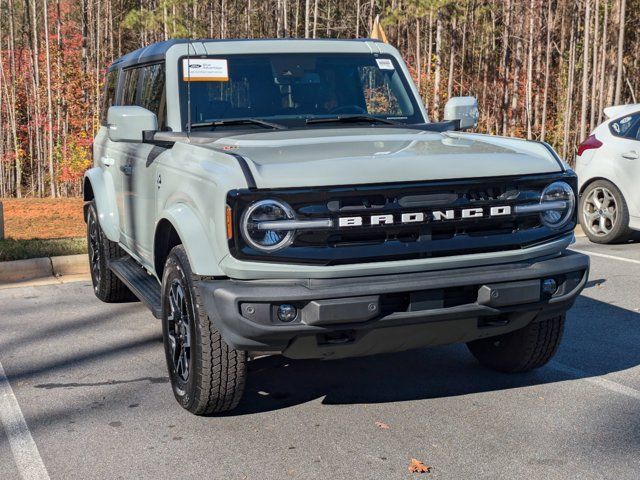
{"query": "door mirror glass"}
(464, 110)
(126, 123)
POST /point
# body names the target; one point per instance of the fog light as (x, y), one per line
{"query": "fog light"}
(549, 286)
(287, 313)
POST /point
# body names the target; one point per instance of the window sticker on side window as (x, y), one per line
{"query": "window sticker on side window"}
(385, 64)
(205, 70)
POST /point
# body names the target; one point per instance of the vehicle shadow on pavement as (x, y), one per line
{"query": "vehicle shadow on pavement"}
(600, 338)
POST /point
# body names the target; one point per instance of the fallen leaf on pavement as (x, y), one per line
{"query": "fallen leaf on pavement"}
(416, 466)
(382, 425)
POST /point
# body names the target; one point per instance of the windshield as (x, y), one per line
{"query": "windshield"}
(292, 88)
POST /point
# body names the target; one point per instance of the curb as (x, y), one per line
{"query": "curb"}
(22, 270)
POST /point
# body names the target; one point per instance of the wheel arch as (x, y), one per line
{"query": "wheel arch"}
(591, 180)
(179, 225)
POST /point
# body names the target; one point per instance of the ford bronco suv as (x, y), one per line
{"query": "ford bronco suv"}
(292, 197)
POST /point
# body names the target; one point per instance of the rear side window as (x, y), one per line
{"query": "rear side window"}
(152, 94)
(130, 89)
(109, 98)
(626, 127)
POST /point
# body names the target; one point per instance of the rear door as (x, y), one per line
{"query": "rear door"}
(626, 151)
(105, 153)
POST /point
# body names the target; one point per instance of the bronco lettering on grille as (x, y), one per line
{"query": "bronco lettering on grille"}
(420, 217)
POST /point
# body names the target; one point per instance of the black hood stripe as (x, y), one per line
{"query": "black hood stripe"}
(244, 166)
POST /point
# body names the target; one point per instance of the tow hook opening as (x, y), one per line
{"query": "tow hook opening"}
(337, 338)
(493, 321)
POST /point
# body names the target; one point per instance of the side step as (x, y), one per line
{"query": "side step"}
(143, 285)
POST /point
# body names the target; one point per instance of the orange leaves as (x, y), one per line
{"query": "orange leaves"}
(416, 466)
(382, 426)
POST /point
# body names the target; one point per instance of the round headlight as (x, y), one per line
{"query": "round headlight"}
(255, 225)
(561, 201)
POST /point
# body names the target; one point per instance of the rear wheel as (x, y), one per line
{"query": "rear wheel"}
(604, 215)
(106, 285)
(523, 350)
(207, 375)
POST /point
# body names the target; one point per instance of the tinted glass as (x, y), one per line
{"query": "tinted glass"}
(109, 98)
(130, 90)
(626, 126)
(290, 86)
(152, 94)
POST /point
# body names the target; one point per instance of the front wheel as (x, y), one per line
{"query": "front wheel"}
(207, 375)
(523, 350)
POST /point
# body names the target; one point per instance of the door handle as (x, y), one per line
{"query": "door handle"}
(126, 169)
(107, 161)
(632, 155)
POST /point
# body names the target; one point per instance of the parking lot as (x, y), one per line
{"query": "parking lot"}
(91, 383)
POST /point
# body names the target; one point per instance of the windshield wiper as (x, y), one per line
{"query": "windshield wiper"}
(239, 121)
(351, 118)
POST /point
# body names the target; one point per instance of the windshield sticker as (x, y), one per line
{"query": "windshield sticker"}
(385, 64)
(205, 70)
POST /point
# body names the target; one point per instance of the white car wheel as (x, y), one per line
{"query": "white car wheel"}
(603, 214)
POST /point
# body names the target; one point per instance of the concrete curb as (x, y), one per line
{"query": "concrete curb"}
(22, 270)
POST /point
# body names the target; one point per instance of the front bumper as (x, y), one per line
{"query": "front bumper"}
(345, 317)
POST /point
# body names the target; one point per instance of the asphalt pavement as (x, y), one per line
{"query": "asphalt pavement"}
(85, 394)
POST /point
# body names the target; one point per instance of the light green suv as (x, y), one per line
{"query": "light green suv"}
(292, 197)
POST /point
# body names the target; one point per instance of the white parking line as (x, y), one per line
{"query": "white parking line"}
(25, 451)
(604, 255)
(596, 380)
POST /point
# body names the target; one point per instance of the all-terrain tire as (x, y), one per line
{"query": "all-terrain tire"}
(106, 285)
(620, 231)
(523, 350)
(216, 372)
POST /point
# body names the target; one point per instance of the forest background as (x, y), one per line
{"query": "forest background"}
(541, 70)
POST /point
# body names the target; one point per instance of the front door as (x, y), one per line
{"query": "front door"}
(143, 86)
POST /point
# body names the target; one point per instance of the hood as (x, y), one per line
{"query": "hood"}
(354, 156)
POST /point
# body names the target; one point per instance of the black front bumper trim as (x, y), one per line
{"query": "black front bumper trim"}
(496, 299)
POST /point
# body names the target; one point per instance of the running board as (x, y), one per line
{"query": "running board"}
(143, 285)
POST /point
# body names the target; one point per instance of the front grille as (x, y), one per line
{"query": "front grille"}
(431, 238)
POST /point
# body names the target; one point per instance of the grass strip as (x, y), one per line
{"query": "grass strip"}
(22, 249)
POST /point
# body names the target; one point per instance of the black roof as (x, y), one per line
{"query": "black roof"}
(156, 51)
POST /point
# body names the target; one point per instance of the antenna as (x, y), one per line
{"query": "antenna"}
(189, 88)
(189, 79)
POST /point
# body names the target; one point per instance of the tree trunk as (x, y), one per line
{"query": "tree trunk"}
(547, 63)
(438, 61)
(620, 61)
(585, 71)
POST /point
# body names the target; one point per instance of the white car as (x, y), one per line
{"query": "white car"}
(608, 168)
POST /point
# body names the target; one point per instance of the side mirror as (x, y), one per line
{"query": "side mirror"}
(126, 123)
(464, 110)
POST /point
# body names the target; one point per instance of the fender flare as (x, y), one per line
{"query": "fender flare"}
(195, 239)
(103, 193)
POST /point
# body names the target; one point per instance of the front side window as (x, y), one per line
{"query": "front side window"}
(291, 88)
(130, 89)
(152, 93)
(109, 98)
